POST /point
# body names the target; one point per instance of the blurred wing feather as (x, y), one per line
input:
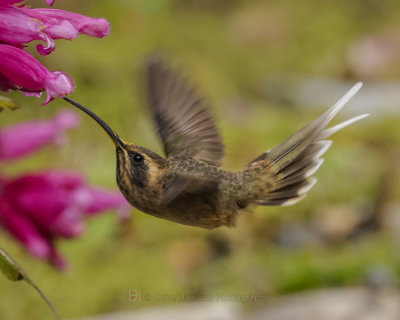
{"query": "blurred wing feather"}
(183, 122)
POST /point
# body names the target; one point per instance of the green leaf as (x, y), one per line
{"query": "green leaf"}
(14, 272)
(8, 103)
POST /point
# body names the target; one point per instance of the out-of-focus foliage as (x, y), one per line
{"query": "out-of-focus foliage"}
(339, 235)
(6, 102)
(14, 272)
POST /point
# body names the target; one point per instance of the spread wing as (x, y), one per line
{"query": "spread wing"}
(183, 122)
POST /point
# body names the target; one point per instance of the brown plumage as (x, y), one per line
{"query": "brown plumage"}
(188, 186)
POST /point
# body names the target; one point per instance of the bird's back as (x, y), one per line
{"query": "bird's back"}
(204, 195)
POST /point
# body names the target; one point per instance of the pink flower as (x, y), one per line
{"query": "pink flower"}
(26, 73)
(62, 30)
(17, 28)
(54, 18)
(6, 84)
(106, 200)
(39, 208)
(25, 138)
(6, 2)
(20, 25)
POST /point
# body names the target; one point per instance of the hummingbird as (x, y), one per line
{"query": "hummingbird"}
(188, 186)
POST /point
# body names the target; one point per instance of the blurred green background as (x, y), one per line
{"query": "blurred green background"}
(344, 233)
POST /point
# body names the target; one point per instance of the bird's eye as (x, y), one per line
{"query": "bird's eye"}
(137, 159)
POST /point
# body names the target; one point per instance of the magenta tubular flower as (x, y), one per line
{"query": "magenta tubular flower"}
(39, 208)
(17, 28)
(30, 76)
(103, 199)
(6, 84)
(20, 25)
(7, 2)
(54, 18)
(63, 30)
(25, 138)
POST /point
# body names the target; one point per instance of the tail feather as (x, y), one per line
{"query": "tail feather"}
(262, 156)
(283, 175)
(302, 174)
(298, 167)
(293, 190)
(328, 132)
(289, 149)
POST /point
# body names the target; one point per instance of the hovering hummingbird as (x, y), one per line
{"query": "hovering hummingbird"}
(188, 186)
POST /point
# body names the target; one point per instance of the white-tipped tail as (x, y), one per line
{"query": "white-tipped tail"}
(286, 170)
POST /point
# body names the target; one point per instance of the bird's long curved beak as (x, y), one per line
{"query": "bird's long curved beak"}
(114, 137)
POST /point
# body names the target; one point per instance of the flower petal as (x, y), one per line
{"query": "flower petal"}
(40, 207)
(70, 223)
(45, 50)
(7, 84)
(104, 199)
(24, 230)
(95, 27)
(20, 226)
(6, 2)
(17, 28)
(3, 181)
(67, 119)
(31, 93)
(57, 260)
(21, 68)
(51, 204)
(58, 84)
(63, 30)
(22, 139)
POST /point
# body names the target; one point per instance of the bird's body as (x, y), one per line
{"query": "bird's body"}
(188, 186)
(215, 193)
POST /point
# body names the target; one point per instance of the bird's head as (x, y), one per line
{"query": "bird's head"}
(137, 167)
